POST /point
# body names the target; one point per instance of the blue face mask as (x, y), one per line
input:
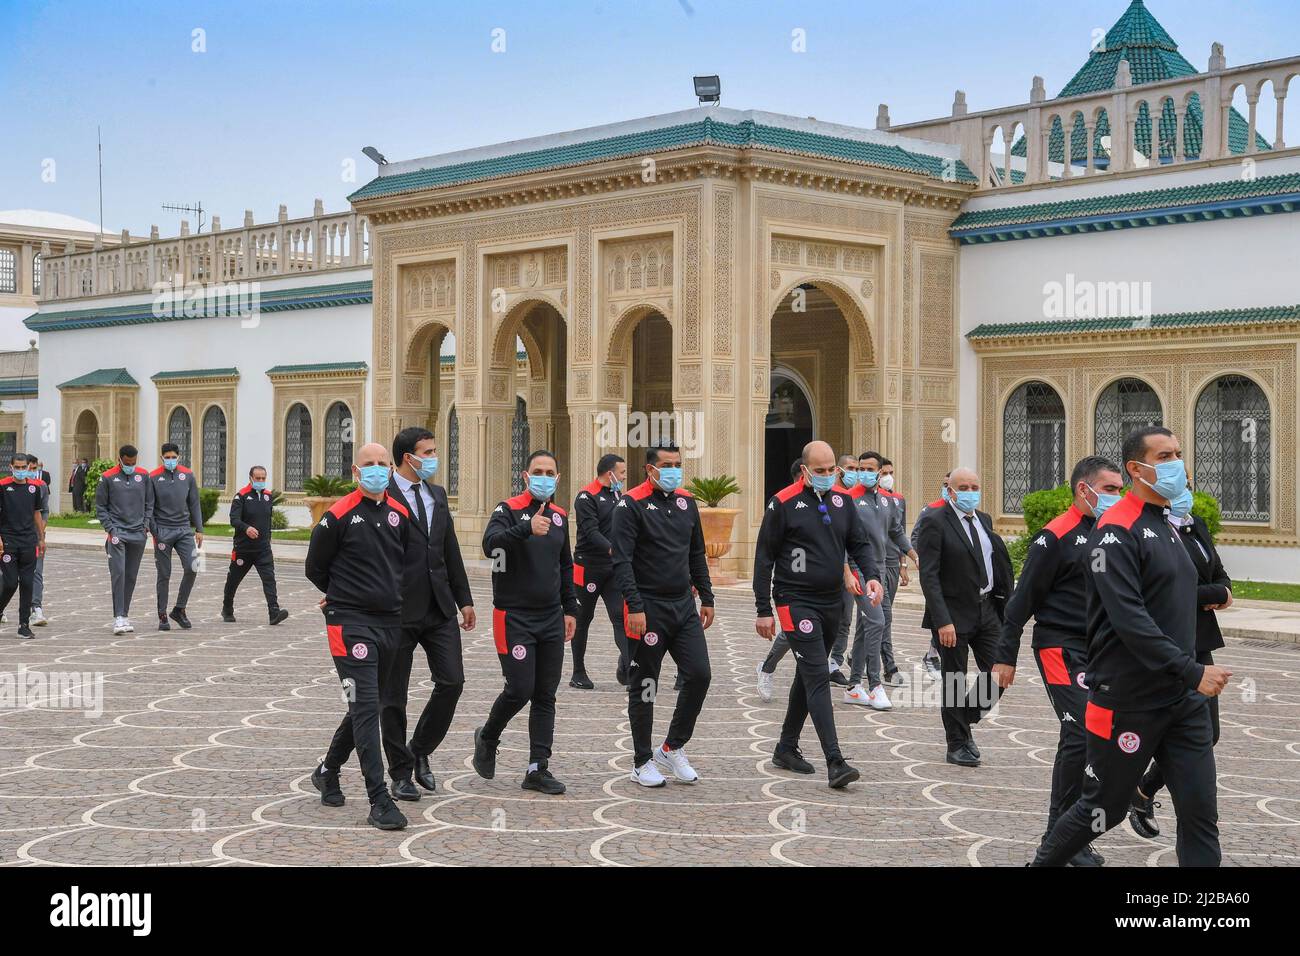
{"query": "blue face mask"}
(967, 501)
(821, 483)
(374, 478)
(426, 468)
(1181, 506)
(943, 493)
(849, 479)
(21, 474)
(259, 486)
(128, 469)
(670, 479)
(615, 484)
(1104, 502)
(869, 479)
(542, 487)
(171, 463)
(1171, 478)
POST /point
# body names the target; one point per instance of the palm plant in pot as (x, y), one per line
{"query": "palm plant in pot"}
(715, 521)
(321, 491)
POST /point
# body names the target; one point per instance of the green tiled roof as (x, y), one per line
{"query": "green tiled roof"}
(321, 367)
(196, 373)
(1269, 315)
(745, 134)
(101, 378)
(275, 300)
(1177, 200)
(17, 387)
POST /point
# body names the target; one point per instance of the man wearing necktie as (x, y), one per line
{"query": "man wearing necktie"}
(434, 586)
(966, 577)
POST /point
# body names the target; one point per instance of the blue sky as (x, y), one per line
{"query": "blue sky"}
(288, 90)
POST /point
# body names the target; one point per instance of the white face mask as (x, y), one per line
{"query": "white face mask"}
(887, 482)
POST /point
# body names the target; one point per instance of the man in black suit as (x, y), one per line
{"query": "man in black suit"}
(1213, 593)
(434, 586)
(966, 578)
(77, 485)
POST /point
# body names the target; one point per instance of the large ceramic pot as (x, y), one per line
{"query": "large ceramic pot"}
(717, 524)
(318, 507)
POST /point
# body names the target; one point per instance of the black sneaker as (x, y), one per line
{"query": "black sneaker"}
(404, 790)
(178, 615)
(163, 623)
(581, 681)
(1142, 816)
(962, 756)
(975, 751)
(385, 815)
(542, 781)
(838, 679)
(485, 755)
(228, 616)
(790, 758)
(277, 616)
(25, 632)
(1087, 857)
(840, 774)
(327, 782)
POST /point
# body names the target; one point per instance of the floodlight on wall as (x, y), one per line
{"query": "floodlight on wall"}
(375, 155)
(708, 89)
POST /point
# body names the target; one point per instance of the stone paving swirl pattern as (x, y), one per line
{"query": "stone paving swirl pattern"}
(203, 751)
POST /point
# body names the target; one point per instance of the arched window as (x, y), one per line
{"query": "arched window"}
(178, 432)
(214, 448)
(1233, 434)
(1124, 406)
(338, 440)
(1033, 443)
(519, 444)
(8, 271)
(453, 452)
(297, 447)
(36, 274)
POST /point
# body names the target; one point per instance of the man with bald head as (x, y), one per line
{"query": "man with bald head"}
(356, 556)
(966, 577)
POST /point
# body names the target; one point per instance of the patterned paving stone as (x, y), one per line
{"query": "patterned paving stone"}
(200, 749)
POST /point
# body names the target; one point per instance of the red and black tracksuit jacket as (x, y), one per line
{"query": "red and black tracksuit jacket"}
(20, 502)
(1053, 590)
(1141, 612)
(800, 556)
(659, 547)
(356, 556)
(251, 509)
(594, 511)
(531, 573)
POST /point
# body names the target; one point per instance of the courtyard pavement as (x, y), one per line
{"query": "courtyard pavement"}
(202, 754)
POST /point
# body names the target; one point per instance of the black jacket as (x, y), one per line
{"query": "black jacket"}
(950, 570)
(355, 557)
(1212, 583)
(659, 547)
(433, 571)
(593, 509)
(530, 572)
(251, 509)
(1141, 610)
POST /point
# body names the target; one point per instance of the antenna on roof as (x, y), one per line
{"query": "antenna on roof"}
(197, 208)
(99, 145)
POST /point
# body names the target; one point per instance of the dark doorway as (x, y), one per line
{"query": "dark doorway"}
(788, 428)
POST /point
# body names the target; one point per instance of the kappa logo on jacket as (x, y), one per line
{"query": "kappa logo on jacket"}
(1041, 540)
(357, 519)
(1148, 533)
(1080, 539)
(1108, 538)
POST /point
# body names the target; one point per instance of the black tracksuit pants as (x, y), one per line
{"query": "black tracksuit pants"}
(361, 654)
(530, 646)
(1153, 780)
(240, 564)
(598, 584)
(966, 701)
(1120, 744)
(810, 625)
(18, 565)
(440, 638)
(1063, 677)
(672, 626)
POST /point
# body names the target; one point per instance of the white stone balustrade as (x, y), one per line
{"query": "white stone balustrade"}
(315, 244)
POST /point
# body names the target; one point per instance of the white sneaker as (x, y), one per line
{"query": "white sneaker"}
(675, 760)
(764, 685)
(857, 695)
(127, 625)
(38, 618)
(648, 775)
(119, 625)
(878, 699)
(932, 670)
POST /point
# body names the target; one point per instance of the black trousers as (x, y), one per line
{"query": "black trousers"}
(18, 567)
(966, 701)
(530, 646)
(1154, 779)
(672, 626)
(810, 626)
(1063, 677)
(597, 584)
(240, 563)
(1120, 743)
(361, 653)
(440, 638)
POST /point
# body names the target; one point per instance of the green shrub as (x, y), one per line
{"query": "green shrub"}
(711, 491)
(97, 468)
(279, 520)
(1206, 507)
(208, 502)
(328, 486)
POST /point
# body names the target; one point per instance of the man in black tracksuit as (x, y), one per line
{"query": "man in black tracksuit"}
(176, 523)
(355, 557)
(802, 543)
(593, 565)
(534, 613)
(22, 538)
(250, 516)
(658, 557)
(1146, 691)
(1052, 590)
